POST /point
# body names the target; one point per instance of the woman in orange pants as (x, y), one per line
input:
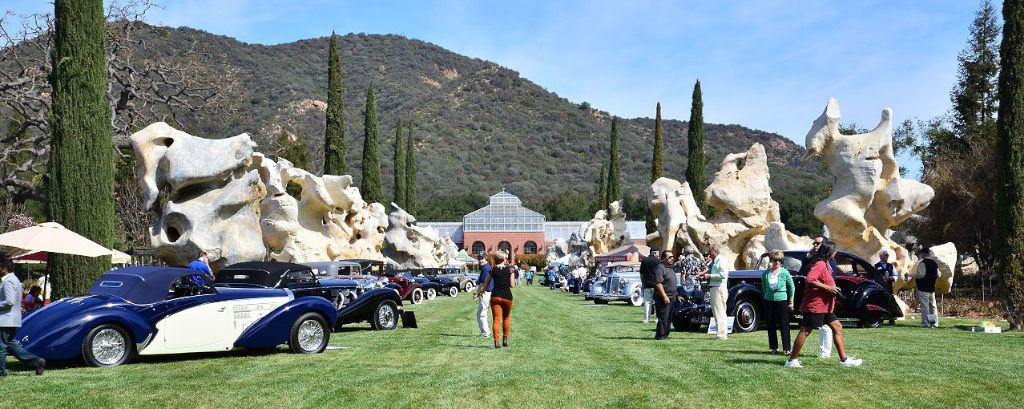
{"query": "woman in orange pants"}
(501, 297)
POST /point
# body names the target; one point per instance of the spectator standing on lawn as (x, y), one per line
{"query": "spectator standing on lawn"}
(692, 264)
(529, 276)
(202, 265)
(665, 286)
(886, 270)
(648, 266)
(501, 282)
(817, 306)
(483, 294)
(718, 285)
(778, 289)
(10, 321)
(33, 300)
(824, 332)
(925, 275)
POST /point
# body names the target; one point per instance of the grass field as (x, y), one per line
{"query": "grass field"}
(565, 352)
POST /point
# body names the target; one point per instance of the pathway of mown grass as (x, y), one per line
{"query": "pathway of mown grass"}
(565, 352)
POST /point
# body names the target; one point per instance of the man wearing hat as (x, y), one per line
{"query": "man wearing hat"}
(10, 321)
(484, 306)
(926, 273)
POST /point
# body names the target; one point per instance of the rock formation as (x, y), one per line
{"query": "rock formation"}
(558, 249)
(606, 231)
(219, 196)
(869, 197)
(204, 193)
(411, 246)
(328, 221)
(747, 219)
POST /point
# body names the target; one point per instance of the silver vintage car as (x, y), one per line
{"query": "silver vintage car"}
(619, 281)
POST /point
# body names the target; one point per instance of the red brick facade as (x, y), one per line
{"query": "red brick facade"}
(490, 240)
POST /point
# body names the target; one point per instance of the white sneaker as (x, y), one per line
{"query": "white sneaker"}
(793, 363)
(646, 321)
(851, 362)
(824, 356)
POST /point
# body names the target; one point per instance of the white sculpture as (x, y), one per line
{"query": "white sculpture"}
(602, 234)
(409, 245)
(558, 249)
(868, 197)
(329, 221)
(211, 195)
(746, 220)
(222, 198)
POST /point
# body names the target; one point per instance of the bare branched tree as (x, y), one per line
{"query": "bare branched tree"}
(144, 85)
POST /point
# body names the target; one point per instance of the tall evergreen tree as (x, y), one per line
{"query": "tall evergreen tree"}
(399, 164)
(81, 167)
(614, 172)
(975, 97)
(695, 139)
(370, 185)
(1010, 165)
(602, 193)
(334, 137)
(657, 162)
(410, 172)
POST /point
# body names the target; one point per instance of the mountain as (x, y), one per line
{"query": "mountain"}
(479, 127)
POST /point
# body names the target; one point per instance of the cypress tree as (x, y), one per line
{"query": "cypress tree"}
(410, 172)
(370, 185)
(334, 137)
(614, 177)
(657, 162)
(81, 166)
(399, 164)
(695, 139)
(602, 193)
(1009, 216)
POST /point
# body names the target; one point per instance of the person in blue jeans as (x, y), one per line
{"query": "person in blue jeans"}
(484, 306)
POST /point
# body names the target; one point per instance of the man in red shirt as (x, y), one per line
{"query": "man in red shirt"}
(818, 304)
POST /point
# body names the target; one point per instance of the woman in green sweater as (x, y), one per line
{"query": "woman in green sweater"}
(778, 289)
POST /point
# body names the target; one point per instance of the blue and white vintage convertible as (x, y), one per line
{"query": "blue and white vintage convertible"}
(165, 310)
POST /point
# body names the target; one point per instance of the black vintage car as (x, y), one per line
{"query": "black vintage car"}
(381, 307)
(863, 297)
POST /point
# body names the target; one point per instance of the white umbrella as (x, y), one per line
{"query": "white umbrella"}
(54, 238)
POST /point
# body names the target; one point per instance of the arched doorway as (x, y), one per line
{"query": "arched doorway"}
(478, 247)
(506, 246)
(530, 247)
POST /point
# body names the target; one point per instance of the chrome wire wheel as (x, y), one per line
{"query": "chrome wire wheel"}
(109, 347)
(386, 316)
(311, 335)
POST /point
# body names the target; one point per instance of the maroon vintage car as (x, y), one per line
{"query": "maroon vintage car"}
(407, 289)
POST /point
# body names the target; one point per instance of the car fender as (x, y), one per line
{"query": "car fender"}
(275, 328)
(362, 308)
(56, 338)
(875, 299)
(744, 290)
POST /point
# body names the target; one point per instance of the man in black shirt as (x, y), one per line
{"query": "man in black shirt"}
(665, 288)
(926, 274)
(647, 268)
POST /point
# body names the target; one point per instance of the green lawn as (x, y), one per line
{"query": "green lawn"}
(565, 352)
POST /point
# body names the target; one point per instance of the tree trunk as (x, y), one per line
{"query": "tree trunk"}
(81, 168)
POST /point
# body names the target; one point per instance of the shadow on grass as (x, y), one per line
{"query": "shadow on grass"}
(469, 346)
(747, 361)
(460, 335)
(621, 338)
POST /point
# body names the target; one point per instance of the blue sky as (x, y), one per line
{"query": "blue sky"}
(766, 64)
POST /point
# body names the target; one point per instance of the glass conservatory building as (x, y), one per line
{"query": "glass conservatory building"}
(505, 224)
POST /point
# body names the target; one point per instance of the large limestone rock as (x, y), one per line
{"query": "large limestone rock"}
(607, 230)
(868, 197)
(746, 224)
(328, 221)
(220, 196)
(558, 249)
(411, 246)
(204, 193)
